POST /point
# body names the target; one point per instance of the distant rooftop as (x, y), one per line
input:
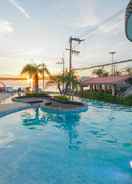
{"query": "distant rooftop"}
(105, 80)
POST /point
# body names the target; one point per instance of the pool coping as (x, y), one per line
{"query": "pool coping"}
(6, 109)
(61, 110)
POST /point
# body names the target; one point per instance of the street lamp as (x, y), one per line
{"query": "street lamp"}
(113, 66)
(43, 66)
(62, 63)
(43, 74)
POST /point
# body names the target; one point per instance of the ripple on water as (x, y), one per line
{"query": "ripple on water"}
(6, 138)
(83, 147)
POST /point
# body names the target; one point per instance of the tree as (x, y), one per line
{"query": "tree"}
(129, 71)
(43, 69)
(33, 71)
(101, 72)
(64, 82)
(118, 73)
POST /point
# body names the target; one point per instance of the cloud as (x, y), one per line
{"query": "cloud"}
(115, 24)
(20, 8)
(6, 27)
(84, 21)
(84, 13)
(111, 27)
(108, 25)
(88, 15)
(90, 20)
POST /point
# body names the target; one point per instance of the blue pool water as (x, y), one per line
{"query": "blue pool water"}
(92, 147)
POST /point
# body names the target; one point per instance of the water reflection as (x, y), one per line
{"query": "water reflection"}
(34, 118)
(68, 122)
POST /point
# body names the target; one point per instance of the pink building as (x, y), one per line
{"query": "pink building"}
(112, 84)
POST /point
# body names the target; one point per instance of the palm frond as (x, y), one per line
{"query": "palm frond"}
(30, 69)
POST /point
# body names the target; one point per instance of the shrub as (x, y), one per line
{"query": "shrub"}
(33, 94)
(62, 98)
(107, 97)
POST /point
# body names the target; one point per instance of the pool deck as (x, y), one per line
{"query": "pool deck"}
(6, 109)
(12, 107)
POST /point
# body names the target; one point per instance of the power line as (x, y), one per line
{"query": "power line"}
(102, 65)
(103, 23)
(86, 34)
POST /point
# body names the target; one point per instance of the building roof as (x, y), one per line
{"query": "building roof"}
(105, 80)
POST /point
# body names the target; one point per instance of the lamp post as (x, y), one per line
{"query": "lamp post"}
(43, 66)
(43, 73)
(62, 63)
(113, 66)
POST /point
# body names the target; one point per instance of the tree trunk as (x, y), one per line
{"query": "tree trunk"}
(35, 83)
(59, 87)
(66, 88)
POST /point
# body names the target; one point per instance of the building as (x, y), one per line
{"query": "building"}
(112, 84)
(2, 87)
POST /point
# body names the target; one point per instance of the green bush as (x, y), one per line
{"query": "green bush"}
(62, 98)
(107, 97)
(33, 94)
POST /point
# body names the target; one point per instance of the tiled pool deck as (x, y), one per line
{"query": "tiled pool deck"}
(6, 109)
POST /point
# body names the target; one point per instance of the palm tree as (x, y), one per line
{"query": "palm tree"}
(64, 82)
(33, 71)
(43, 69)
(118, 73)
(129, 71)
(100, 72)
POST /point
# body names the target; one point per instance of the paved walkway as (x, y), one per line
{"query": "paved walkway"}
(6, 109)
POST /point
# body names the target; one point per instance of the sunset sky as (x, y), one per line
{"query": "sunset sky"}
(38, 31)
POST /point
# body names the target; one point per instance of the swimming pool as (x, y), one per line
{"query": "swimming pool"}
(43, 147)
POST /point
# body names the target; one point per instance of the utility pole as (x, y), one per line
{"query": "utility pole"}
(42, 66)
(113, 66)
(62, 63)
(72, 51)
